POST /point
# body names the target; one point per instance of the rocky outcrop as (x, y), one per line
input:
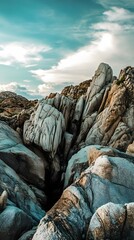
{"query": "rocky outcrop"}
(104, 115)
(74, 141)
(84, 210)
(15, 109)
(77, 91)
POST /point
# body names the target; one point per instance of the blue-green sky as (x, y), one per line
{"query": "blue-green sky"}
(48, 44)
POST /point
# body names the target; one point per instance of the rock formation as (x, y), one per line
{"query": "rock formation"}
(80, 141)
(15, 109)
(77, 91)
(93, 206)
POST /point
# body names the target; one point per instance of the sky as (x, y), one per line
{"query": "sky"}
(46, 45)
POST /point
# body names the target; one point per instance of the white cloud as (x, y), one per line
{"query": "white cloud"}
(45, 89)
(118, 14)
(20, 89)
(78, 66)
(8, 87)
(23, 53)
(112, 43)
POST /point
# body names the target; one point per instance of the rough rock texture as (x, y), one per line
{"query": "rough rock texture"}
(102, 182)
(15, 109)
(112, 221)
(62, 137)
(104, 115)
(77, 91)
(45, 128)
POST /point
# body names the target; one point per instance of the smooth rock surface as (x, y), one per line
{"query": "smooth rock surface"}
(13, 222)
(12, 151)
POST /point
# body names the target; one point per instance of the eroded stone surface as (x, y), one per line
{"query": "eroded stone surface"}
(45, 128)
(109, 178)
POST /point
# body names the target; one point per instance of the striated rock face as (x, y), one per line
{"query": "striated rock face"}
(84, 210)
(45, 128)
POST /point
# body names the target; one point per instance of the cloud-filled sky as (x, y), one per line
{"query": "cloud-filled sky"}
(47, 45)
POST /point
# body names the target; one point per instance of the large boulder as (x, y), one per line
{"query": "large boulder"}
(27, 164)
(45, 128)
(112, 221)
(108, 178)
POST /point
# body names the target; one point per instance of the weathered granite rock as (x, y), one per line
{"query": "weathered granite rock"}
(103, 116)
(108, 113)
(57, 128)
(15, 109)
(77, 91)
(112, 221)
(101, 81)
(45, 128)
(12, 151)
(109, 178)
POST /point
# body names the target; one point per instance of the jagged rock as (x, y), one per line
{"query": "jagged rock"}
(102, 79)
(77, 91)
(99, 184)
(15, 109)
(108, 117)
(57, 127)
(21, 159)
(45, 128)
